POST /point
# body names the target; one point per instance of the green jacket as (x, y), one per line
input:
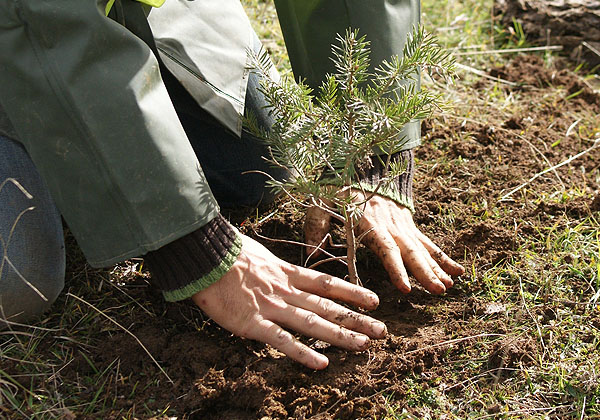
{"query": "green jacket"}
(84, 95)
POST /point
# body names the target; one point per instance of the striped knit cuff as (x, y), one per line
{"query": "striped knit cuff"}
(194, 262)
(400, 189)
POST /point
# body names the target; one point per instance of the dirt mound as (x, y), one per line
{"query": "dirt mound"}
(511, 352)
(575, 24)
(496, 243)
(531, 71)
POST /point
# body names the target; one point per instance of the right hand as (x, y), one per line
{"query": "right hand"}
(396, 240)
(261, 294)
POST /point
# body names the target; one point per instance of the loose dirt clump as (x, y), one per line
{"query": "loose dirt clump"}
(511, 352)
(495, 243)
(595, 206)
(530, 71)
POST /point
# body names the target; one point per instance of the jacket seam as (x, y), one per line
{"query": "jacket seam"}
(198, 76)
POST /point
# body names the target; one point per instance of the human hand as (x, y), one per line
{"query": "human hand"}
(396, 240)
(261, 294)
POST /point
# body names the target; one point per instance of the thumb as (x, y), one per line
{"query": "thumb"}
(316, 226)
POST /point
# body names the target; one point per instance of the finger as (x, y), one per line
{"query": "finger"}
(338, 314)
(416, 261)
(385, 247)
(312, 325)
(316, 226)
(331, 287)
(445, 262)
(441, 274)
(272, 334)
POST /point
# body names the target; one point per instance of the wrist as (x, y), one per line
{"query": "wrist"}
(400, 188)
(190, 264)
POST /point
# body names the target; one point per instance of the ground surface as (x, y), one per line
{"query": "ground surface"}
(517, 337)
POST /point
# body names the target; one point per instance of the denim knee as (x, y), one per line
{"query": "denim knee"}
(32, 251)
(33, 272)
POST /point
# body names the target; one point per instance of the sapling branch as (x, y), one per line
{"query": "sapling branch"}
(340, 259)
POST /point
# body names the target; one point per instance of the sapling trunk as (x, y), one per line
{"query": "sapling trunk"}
(328, 138)
(351, 251)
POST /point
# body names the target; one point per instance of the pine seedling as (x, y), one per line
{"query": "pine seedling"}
(326, 139)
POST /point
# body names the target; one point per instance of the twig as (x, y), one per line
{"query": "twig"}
(484, 74)
(592, 49)
(572, 127)
(512, 50)
(59, 370)
(110, 283)
(283, 189)
(473, 378)
(351, 242)
(323, 206)
(536, 176)
(6, 243)
(362, 235)
(24, 280)
(126, 330)
(17, 324)
(340, 259)
(16, 184)
(542, 155)
(317, 247)
(285, 241)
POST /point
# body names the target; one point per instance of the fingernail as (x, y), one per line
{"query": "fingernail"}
(374, 299)
(379, 329)
(404, 287)
(438, 288)
(362, 342)
(320, 362)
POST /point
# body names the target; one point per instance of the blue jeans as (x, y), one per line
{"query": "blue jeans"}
(32, 269)
(35, 253)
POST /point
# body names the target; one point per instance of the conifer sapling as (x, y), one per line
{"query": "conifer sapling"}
(326, 139)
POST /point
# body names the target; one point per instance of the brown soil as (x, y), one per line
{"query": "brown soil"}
(463, 169)
(574, 24)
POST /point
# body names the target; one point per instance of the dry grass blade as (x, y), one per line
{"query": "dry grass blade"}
(545, 171)
(126, 330)
(591, 48)
(485, 75)
(513, 50)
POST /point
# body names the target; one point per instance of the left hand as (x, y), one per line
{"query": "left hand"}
(398, 243)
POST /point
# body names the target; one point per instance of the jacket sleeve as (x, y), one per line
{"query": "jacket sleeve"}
(85, 97)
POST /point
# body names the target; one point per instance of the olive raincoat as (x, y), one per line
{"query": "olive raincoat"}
(84, 94)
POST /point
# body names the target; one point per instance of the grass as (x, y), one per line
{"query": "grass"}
(548, 291)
